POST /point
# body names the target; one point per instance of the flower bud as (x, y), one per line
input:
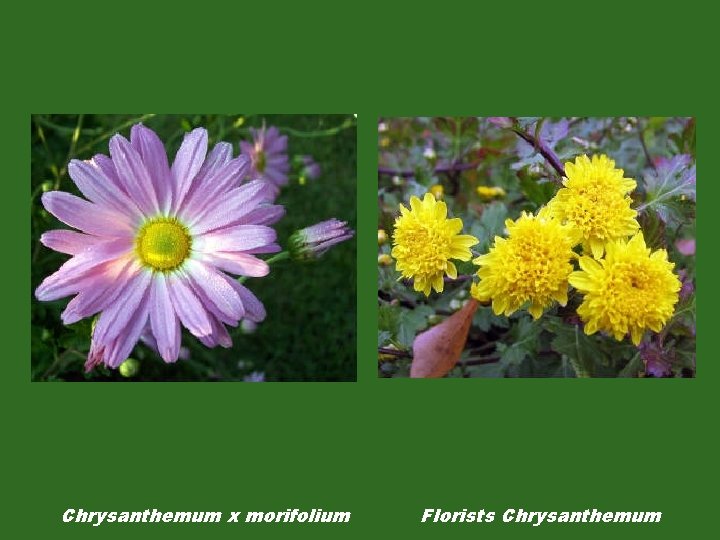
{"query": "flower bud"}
(382, 237)
(312, 242)
(255, 376)
(248, 327)
(384, 259)
(129, 368)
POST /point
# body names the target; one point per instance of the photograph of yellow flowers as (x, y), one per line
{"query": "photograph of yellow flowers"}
(193, 247)
(536, 247)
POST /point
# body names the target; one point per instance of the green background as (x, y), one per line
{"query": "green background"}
(383, 449)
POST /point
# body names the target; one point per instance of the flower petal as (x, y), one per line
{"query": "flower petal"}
(218, 336)
(263, 215)
(254, 309)
(163, 320)
(189, 309)
(93, 299)
(237, 203)
(121, 347)
(241, 264)
(214, 291)
(116, 317)
(134, 175)
(152, 151)
(86, 216)
(238, 238)
(67, 241)
(95, 186)
(209, 190)
(187, 164)
(84, 269)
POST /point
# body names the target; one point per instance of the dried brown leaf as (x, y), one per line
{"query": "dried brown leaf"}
(437, 350)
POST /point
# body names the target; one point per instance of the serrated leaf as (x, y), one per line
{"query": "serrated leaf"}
(667, 187)
(388, 318)
(410, 322)
(493, 218)
(485, 318)
(510, 354)
(525, 122)
(573, 343)
(490, 224)
(538, 192)
(525, 337)
(632, 368)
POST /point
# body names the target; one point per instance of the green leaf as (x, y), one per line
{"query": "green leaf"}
(580, 349)
(411, 321)
(485, 318)
(524, 338)
(490, 224)
(670, 187)
(633, 367)
(389, 318)
(493, 218)
(537, 192)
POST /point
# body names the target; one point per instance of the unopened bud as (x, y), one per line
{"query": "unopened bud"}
(384, 259)
(129, 368)
(382, 237)
(312, 242)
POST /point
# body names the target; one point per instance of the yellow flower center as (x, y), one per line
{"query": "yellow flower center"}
(429, 246)
(260, 161)
(163, 244)
(596, 210)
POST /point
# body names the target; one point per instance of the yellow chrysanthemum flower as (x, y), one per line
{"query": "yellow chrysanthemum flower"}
(595, 200)
(438, 191)
(631, 289)
(531, 265)
(490, 192)
(424, 242)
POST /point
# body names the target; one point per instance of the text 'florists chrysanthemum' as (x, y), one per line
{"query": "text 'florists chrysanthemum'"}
(595, 200)
(155, 242)
(424, 242)
(531, 266)
(631, 289)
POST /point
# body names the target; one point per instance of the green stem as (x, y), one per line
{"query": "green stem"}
(279, 257)
(275, 258)
(348, 123)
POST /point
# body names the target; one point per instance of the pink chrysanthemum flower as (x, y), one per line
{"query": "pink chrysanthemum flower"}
(268, 155)
(155, 241)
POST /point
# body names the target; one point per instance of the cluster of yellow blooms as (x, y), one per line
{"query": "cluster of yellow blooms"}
(627, 287)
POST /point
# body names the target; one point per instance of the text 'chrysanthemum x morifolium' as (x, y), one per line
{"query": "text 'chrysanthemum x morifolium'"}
(531, 266)
(630, 290)
(424, 242)
(595, 200)
(155, 241)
